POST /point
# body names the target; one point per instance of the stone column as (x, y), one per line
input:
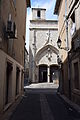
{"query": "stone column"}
(34, 54)
(33, 71)
(48, 74)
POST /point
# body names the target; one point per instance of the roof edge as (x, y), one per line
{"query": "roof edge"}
(28, 3)
(39, 8)
(44, 20)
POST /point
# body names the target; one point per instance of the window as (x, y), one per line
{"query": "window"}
(76, 75)
(73, 25)
(8, 85)
(38, 13)
(73, 17)
(22, 80)
(17, 80)
(72, 44)
(14, 1)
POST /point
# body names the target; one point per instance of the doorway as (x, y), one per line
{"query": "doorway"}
(54, 74)
(8, 82)
(17, 80)
(43, 73)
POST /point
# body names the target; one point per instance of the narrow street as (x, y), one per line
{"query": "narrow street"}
(43, 104)
(39, 59)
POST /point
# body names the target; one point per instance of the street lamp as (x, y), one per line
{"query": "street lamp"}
(59, 42)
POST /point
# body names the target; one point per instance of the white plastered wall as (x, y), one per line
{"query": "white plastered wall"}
(4, 58)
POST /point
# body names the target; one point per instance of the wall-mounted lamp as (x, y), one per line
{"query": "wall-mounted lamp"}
(59, 42)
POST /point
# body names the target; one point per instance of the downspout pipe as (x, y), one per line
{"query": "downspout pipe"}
(66, 25)
(68, 52)
(0, 9)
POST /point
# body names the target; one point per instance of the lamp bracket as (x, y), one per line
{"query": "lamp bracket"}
(65, 48)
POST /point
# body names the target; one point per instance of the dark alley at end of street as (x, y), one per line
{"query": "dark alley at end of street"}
(43, 104)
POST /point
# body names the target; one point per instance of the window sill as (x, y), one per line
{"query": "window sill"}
(17, 96)
(76, 91)
(7, 106)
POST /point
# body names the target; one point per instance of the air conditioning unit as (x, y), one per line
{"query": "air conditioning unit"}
(10, 29)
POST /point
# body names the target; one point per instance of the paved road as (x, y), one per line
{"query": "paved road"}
(43, 104)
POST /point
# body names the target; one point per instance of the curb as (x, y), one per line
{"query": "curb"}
(70, 103)
(7, 114)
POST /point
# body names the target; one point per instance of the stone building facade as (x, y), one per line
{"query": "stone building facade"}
(74, 53)
(12, 42)
(43, 50)
(70, 84)
(62, 34)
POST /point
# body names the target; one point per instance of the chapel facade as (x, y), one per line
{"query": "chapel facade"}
(43, 50)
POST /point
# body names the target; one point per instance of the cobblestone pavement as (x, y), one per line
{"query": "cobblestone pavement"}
(43, 104)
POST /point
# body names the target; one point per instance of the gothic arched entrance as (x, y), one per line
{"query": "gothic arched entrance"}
(42, 73)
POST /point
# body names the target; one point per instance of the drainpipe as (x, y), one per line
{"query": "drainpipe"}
(1, 24)
(67, 41)
(67, 45)
(66, 24)
(0, 9)
(0, 14)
